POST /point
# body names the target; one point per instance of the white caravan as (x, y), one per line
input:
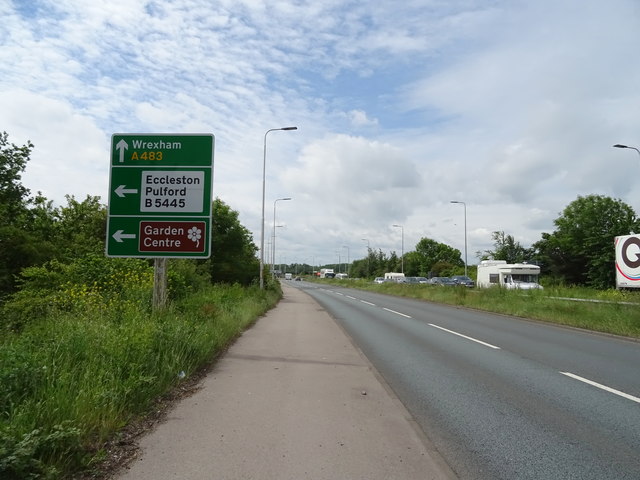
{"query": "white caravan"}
(327, 273)
(508, 275)
(394, 276)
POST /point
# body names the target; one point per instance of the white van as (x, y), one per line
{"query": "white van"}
(508, 275)
(394, 277)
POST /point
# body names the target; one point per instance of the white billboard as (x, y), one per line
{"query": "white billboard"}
(628, 261)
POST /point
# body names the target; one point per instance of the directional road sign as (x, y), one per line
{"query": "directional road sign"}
(160, 195)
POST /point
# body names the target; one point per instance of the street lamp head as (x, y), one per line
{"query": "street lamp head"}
(287, 198)
(394, 225)
(288, 128)
(617, 145)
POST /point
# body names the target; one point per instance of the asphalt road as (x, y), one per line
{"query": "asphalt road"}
(502, 397)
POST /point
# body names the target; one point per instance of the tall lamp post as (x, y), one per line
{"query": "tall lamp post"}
(402, 257)
(348, 255)
(273, 251)
(273, 242)
(264, 169)
(617, 145)
(465, 235)
(368, 259)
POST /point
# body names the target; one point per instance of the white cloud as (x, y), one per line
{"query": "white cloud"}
(70, 153)
(359, 119)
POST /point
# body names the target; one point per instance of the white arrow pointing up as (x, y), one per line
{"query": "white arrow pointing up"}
(119, 236)
(122, 190)
(122, 146)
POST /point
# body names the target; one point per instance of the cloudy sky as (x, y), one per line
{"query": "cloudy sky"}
(511, 106)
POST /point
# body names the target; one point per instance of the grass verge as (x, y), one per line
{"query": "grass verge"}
(71, 380)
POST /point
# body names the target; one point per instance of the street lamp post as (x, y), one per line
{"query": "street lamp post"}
(465, 235)
(273, 242)
(402, 257)
(617, 145)
(264, 169)
(348, 259)
(368, 259)
(273, 250)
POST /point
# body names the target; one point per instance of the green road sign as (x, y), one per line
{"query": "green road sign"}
(159, 150)
(160, 195)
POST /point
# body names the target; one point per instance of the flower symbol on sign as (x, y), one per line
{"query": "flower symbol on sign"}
(194, 234)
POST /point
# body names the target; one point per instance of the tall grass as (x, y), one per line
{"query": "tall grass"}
(608, 311)
(76, 376)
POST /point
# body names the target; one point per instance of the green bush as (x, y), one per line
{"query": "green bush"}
(98, 357)
(28, 456)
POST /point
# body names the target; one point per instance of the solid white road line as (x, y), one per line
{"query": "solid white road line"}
(397, 313)
(603, 387)
(464, 336)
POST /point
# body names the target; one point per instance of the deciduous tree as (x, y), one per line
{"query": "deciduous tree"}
(581, 249)
(506, 248)
(429, 253)
(233, 253)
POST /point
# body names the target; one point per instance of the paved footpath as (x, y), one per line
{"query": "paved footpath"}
(292, 399)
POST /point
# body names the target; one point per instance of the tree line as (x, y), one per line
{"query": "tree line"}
(580, 251)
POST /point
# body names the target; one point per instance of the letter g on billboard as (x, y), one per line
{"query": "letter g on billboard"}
(625, 252)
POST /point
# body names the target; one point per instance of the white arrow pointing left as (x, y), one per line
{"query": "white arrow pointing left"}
(122, 190)
(119, 236)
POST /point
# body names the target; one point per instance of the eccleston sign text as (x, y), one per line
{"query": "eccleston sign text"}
(160, 195)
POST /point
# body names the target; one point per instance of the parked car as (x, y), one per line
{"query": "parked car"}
(443, 281)
(379, 280)
(463, 280)
(416, 280)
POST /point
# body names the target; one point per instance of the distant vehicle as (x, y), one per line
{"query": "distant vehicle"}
(298, 279)
(288, 276)
(341, 275)
(627, 261)
(394, 276)
(463, 280)
(327, 273)
(443, 281)
(416, 280)
(378, 280)
(508, 275)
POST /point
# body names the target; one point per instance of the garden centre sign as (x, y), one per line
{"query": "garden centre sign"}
(160, 195)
